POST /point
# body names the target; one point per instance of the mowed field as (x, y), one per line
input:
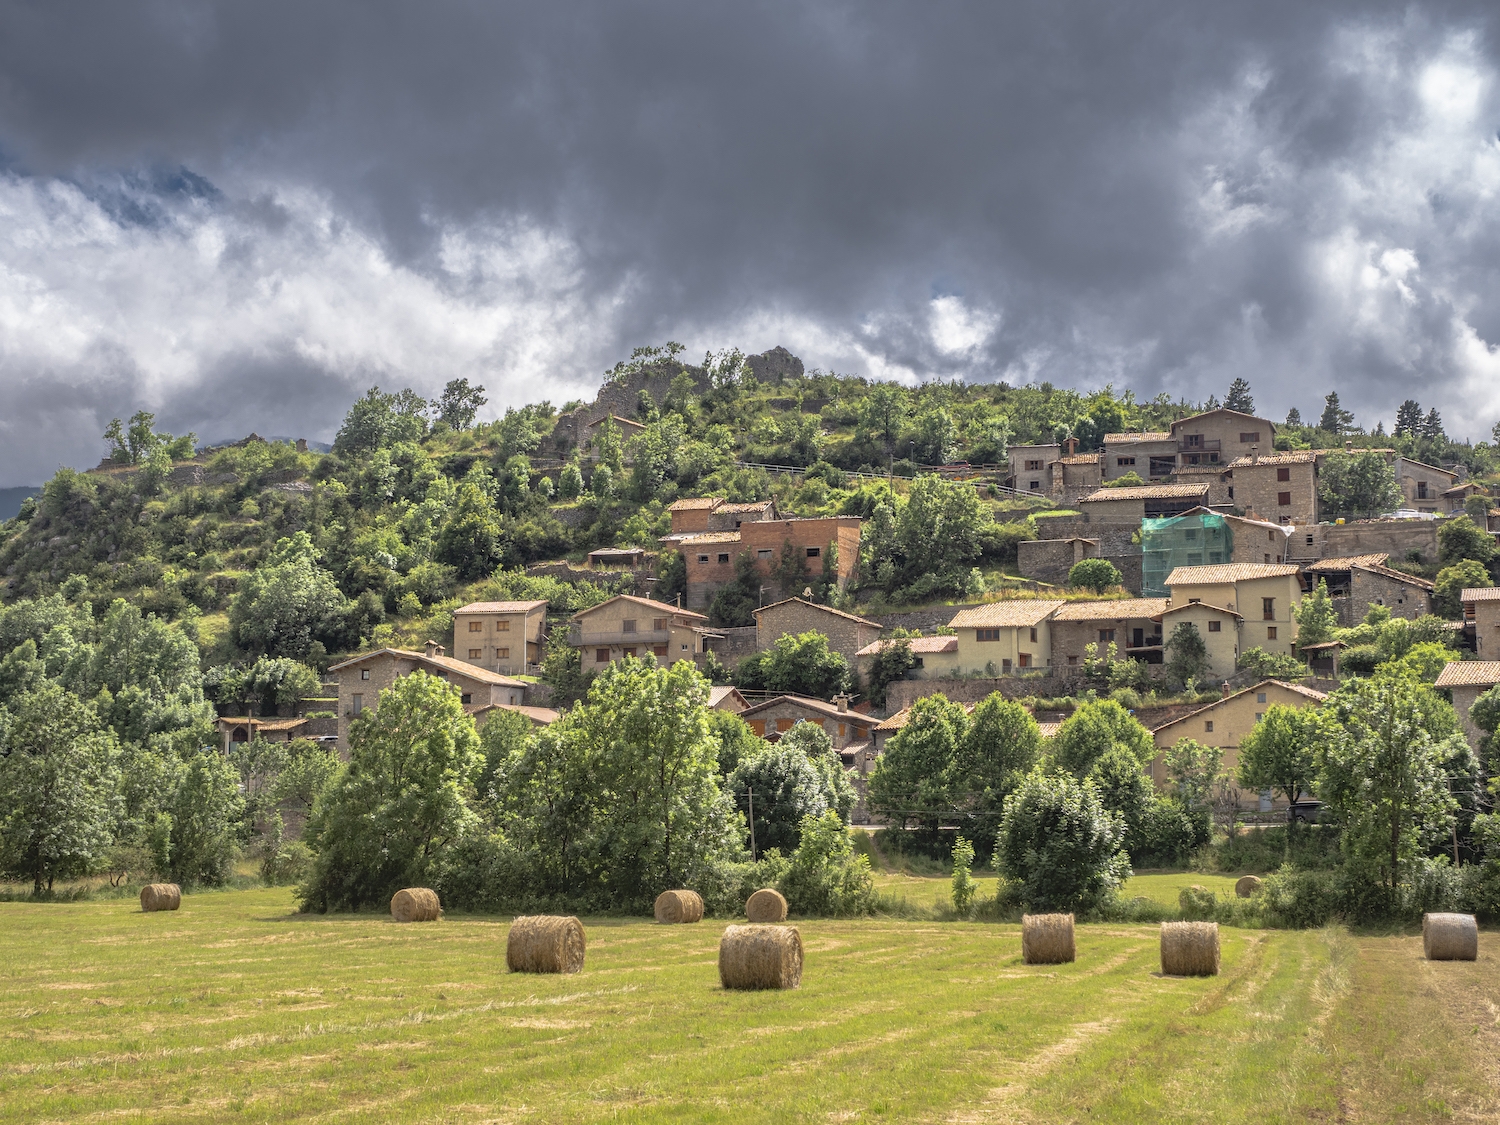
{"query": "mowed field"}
(237, 1009)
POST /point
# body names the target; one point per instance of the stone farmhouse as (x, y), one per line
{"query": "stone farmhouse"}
(1358, 582)
(1133, 625)
(846, 633)
(997, 638)
(1256, 597)
(1466, 681)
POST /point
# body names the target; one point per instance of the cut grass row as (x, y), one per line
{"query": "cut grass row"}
(236, 1008)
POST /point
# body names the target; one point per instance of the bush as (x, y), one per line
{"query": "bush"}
(1097, 575)
(825, 876)
(1198, 904)
(1168, 835)
(1271, 665)
(288, 865)
(1060, 845)
(1269, 848)
(1361, 660)
(1299, 900)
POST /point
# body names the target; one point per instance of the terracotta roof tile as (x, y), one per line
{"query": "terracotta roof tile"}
(1004, 615)
(1469, 673)
(645, 603)
(820, 609)
(1481, 594)
(1145, 435)
(501, 607)
(1310, 694)
(930, 645)
(1227, 572)
(1345, 562)
(1285, 457)
(1118, 609)
(1148, 492)
(695, 504)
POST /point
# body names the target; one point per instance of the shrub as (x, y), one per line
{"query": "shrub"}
(964, 887)
(1361, 660)
(825, 876)
(1271, 665)
(1198, 904)
(1297, 899)
(1097, 575)
(1168, 834)
(1060, 845)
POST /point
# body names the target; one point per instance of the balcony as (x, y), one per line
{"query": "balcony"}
(579, 639)
(1194, 444)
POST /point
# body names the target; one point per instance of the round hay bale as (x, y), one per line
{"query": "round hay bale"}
(1190, 949)
(416, 904)
(766, 905)
(1450, 937)
(673, 907)
(160, 896)
(1246, 885)
(545, 944)
(1047, 939)
(760, 957)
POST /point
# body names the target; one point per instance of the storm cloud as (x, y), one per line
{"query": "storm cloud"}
(239, 216)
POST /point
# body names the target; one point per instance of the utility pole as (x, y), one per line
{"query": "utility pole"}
(751, 794)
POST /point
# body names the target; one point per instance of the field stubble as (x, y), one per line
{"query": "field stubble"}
(234, 1008)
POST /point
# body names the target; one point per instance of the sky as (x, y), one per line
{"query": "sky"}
(240, 216)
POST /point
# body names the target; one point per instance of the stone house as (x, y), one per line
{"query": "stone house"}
(1218, 437)
(1280, 488)
(1261, 541)
(626, 625)
(698, 514)
(934, 656)
(1424, 485)
(1150, 456)
(1216, 478)
(504, 637)
(846, 633)
(1360, 581)
(1466, 681)
(1223, 723)
(362, 678)
(1031, 466)
(539, 716)
(1133, 625)
(1080, 473)
(236, 729)
(1002, 637)
(1130, 505)
(711, 555)
(725, 698)
(848, 730)
(1482, 620)
(1263, 596)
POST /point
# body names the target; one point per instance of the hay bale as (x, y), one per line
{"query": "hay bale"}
(673, 907)
(1450, 937)
(416, 904)
(760, 957)
(1047, 939)
(160, 896)
(1247, 885)
(1190, 949)
(545, 944)
(766, 906)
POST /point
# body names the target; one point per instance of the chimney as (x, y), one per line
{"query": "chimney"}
(1225, 689)
(1255, 455)
(1071, 445)
(434, 649)
(1348, 447)
(843, 702)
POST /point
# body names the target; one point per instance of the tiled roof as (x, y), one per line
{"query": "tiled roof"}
(1079, 459)
(930, 645)
(1227, 572)
(1148, 492)
(1286, 457)
(1049, 730)
(541, 716)
(818, 706)
(447, 663)
(1467, 486)
(501, 607)
(695, 504)
(1200, 605)
(1419, 464)
(1017, 613)
(1309, 693)
(1469, 673)
(262, 724)
(1345, 562)
(1118, 609)
(1398, 575)
(644, 603)
(704, 537)
(820, 609)
(1222, 410)
(717, 695)
(1145, 435)
(1481, 594)
(752, 506)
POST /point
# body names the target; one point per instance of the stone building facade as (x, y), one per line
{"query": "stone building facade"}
(629, 626)
(1131, 624)
(1482, 621)
(711, 556)
(504, 637)
(1279, 488)
(846, 633)
(1466, 681)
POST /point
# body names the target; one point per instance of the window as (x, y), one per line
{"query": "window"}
(1267, 558)
(502, 626)
(814, 552)
(358, 703)
(764, 554)
(704, 558)
(785, 724)
(1213, 626)
(1270, 632)
(628, 625)
(1033, 466)
(723, 557)
(1036, 484)
(1106, 635)
(1259, 715)
(1284, 499)
(986, 634)
(1124, 460)
(364, 673)
(601, 656)
(503, 653)
(1033, 634)
(1268, 609)
(1309, 540)
(1072, 660)
(841, 730)
(1421, 490)
(476, 626)
(1194, 441)
(683, 646)
(629, 652)
(1270, 536)
(1005, 665)
(1260, 697)
(476, 653)
(1284, 473)
(1025, 660)
(466, 699)
(1250, 438)
(1208, 726)
(660, 651)
(660, 624)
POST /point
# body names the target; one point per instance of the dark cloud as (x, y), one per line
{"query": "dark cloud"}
(224, 210)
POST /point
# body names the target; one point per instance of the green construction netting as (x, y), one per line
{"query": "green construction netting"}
(1196, 539)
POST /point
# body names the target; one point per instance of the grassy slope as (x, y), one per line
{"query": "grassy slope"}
(234, 1008)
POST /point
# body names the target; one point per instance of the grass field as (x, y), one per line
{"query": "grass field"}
(237, 1009)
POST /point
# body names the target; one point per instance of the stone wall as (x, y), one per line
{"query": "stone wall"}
(1395, 537)
(737, 644)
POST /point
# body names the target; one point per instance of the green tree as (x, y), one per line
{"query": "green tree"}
(286, 603)
(1358, 484)
(913, 777)
(1093, 730)
(1460, 538)
(1280, 753)
(207, 812)
(1452, 581)
(459, 403)
(59, 782)
(1098, 575)
(570, 482)
(1195, 773)
(801, 664)
(825, 876)
(1270, 665)
(1316, 616)
(379, 420)
(936, 437)
(1187, 655)
(884, 412)
(940, 531)
(813, 740)
(891, 663)
(1059, 844)
(964, 886)
(1335, 419)
(1000, 747)
(779, 786)
(1408, 419)
(734, 603)
(1239, 397)
(401, 801)
(470, 540)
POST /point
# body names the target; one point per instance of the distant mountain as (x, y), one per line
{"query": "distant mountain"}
(10, 499)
